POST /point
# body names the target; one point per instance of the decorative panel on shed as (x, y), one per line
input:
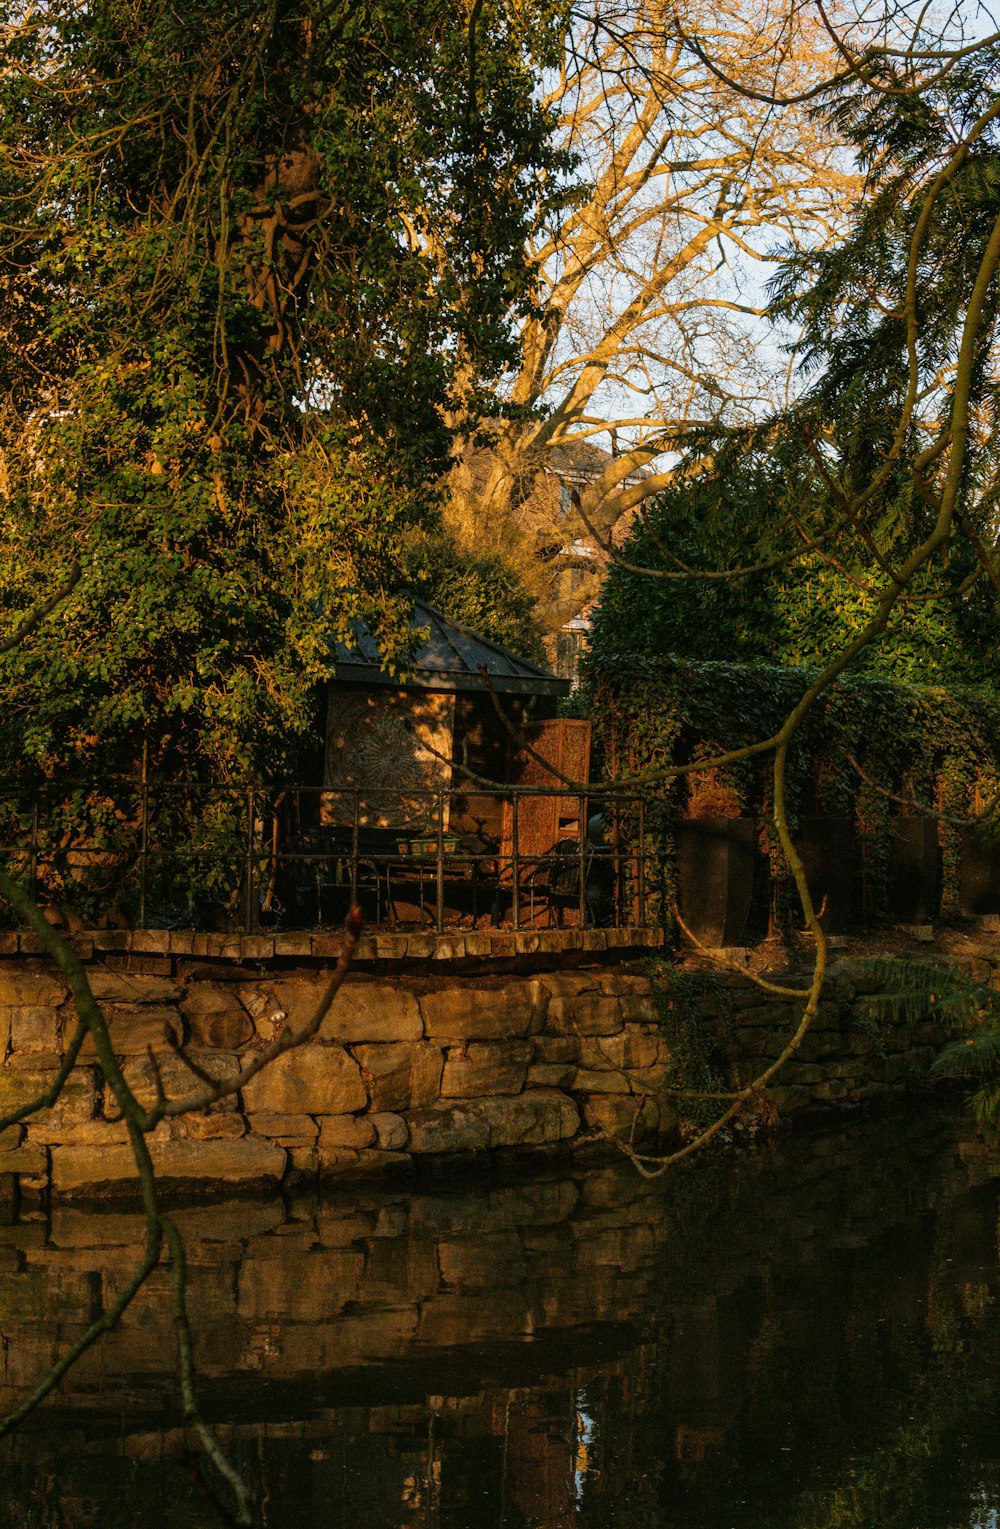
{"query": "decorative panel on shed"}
(387, 743)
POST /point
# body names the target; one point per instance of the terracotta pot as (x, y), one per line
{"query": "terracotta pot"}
(715, 870)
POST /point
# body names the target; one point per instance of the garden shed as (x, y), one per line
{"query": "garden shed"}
(397, 740)
(430, 781)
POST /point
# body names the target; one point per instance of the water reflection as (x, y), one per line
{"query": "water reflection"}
(803, 1337)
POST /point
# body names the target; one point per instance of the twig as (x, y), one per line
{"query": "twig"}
(38, 615)
(185, 1365)
(741, 971)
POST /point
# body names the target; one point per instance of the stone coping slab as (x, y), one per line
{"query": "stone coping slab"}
(246, 949)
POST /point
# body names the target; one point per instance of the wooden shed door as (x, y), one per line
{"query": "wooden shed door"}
(543, 822)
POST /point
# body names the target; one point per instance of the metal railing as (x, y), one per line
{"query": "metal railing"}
(154, 854)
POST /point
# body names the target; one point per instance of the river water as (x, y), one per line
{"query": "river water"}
(800, 1334)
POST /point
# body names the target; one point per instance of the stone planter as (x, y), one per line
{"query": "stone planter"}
(828, 847)
(715, 870)
(915, 870)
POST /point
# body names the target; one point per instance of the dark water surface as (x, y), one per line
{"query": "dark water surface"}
(802, 1335)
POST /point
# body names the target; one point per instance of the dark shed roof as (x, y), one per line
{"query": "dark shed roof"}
(451, 658)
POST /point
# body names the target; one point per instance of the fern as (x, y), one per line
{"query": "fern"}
(986, 1104)
(973, 1057)
(913, 990)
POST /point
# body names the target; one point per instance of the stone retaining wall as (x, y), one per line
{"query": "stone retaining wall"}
(853, 1052)
(428, 1052)
(419, 1064)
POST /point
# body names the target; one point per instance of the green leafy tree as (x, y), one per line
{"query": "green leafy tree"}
(250, 258)
(809, 592)
(866, 511)
(484, 592)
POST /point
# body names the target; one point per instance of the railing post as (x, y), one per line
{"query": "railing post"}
(33, 864)
(642, 862)
(440, 864)
(354, 848)
(250, 864)
(583, 861)
(144, 838)
(515, 860)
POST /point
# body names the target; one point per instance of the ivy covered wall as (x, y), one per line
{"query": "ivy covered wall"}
(871, 750)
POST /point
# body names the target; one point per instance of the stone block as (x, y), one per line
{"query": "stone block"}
(150, 942)
(32, 1029)
(420, 947)
(179, 1081)
(594, 1081)
(391, 1132)
(484, 1011)
(620, 1114)
(135, 1028)
(557, 1048)
(24, 987)
(631, 1050)
(401, 1076)
(562, 984)
(534, 1118)
(225, 1165)
(830, 1091)
(626, 984)
(303, 1162)
(257, 947)
(373, 1011)
(805, 1072)
(34, 1061)
(326, 947)
(585, 1014)
(344, 1162)
(205, 997)
(351, 1131)
(447, 948)
(76, 1102)
(770, 1014)
(224, 1030)
(83, 1133)
(292, 945)
(29, 1158)
(314, 1079)
(485, 1067)
(551, 1074)
(284, 1128)
(449, 1128)
(110, 986)
(789, 1097)
(215, 1125)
